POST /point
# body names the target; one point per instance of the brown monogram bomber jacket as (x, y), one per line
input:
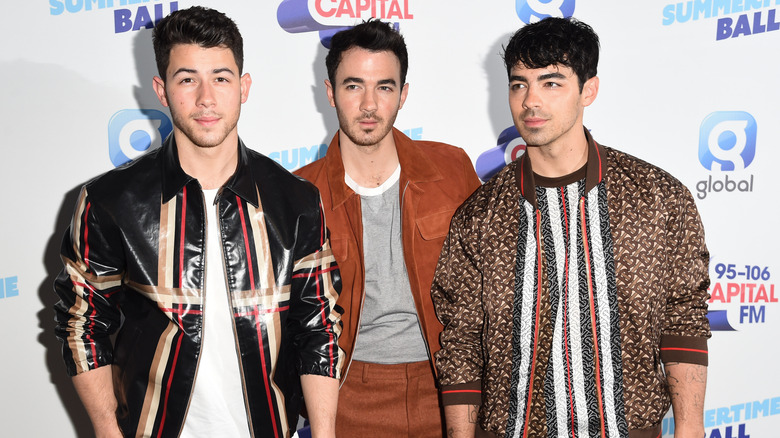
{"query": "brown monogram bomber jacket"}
(661, 270)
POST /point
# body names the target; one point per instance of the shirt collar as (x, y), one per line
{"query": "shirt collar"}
(242, 182)
(596, 166)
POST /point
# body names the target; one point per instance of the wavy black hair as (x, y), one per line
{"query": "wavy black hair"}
(555, 41)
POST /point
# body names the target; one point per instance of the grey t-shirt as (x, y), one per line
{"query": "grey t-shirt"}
(389, 331)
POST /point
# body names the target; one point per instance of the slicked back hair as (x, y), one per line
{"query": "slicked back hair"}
(372, 35)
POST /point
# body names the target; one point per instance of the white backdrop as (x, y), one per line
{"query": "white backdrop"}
(689, 86)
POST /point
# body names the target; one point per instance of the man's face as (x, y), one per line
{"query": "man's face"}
(367, 95)
(204, 93)
(547, 104)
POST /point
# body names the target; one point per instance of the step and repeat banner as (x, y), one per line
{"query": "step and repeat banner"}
(690, 86)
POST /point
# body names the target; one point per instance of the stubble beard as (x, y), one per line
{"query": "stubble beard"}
(533, 137)
(361, 137)
(203, 137)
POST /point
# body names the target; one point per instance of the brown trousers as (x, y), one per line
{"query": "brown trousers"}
(392, 401)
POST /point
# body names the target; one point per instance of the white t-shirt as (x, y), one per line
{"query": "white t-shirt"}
(217, 405)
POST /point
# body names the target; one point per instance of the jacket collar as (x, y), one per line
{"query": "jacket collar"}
(594, 174)
(416, 167)
(242, 183)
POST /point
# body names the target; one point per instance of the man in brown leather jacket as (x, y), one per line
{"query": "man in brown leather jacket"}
(388, 201)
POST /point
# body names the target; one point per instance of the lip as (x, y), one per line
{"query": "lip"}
(534, 122)
(207, 121)
(368, 122)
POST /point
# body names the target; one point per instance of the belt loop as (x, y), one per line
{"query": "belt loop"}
(365, 372)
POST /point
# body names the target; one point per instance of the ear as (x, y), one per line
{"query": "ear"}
(404, 93)
(329, 90)
(159, 88)
(246, 83)
(590, 90)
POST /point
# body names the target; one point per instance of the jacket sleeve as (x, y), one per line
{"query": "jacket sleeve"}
(316, 319)
(684, 336)
(88, 313)
(456, 292)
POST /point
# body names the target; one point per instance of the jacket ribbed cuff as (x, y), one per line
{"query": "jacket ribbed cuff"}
(687, 349)
(462, 394)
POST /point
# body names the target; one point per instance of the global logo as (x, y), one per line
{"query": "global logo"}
(727, 141)
(531, 11)
(131, 132)
(327, 17)
(510, 146)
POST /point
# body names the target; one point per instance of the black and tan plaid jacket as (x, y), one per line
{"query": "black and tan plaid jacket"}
(135, 254)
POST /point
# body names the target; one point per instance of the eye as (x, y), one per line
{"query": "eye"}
(515, 86)
(386, 88)
(186, 81)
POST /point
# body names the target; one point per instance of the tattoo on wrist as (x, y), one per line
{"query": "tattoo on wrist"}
(473, 414)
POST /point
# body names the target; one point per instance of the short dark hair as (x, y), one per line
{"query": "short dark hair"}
(196, 25)
(372, 35)
(555, 41)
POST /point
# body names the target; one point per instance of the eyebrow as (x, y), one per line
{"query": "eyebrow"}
(544, 77)
(361, 81)
(194, 71)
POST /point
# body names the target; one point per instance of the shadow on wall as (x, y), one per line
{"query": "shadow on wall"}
(498, 86)
(146, 69)
(58, 377)
(145, 97)
(320, 95)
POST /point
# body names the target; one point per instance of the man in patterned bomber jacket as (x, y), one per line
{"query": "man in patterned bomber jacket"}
(214, 259)
(573, 285)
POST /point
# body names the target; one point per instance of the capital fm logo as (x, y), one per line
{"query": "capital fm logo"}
(327, 17)
(531, 11)
(509, 147)
(742, 294)
(727, 146)
(132, 132)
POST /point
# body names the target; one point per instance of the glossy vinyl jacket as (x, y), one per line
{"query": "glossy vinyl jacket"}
(135, 250)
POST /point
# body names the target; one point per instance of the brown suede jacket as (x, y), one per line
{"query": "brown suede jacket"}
(435, 179)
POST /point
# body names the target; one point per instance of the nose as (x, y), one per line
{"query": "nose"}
(368, 101)
(531, 98)
(206, 95)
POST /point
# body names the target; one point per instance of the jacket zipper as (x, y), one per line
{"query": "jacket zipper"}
(233, 321)
(203, 308)
(203, 316)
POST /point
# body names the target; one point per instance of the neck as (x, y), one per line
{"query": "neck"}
(554, 161)
(369, 166)
(210, 166)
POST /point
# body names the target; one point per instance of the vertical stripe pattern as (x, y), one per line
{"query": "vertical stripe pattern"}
(583, 381)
